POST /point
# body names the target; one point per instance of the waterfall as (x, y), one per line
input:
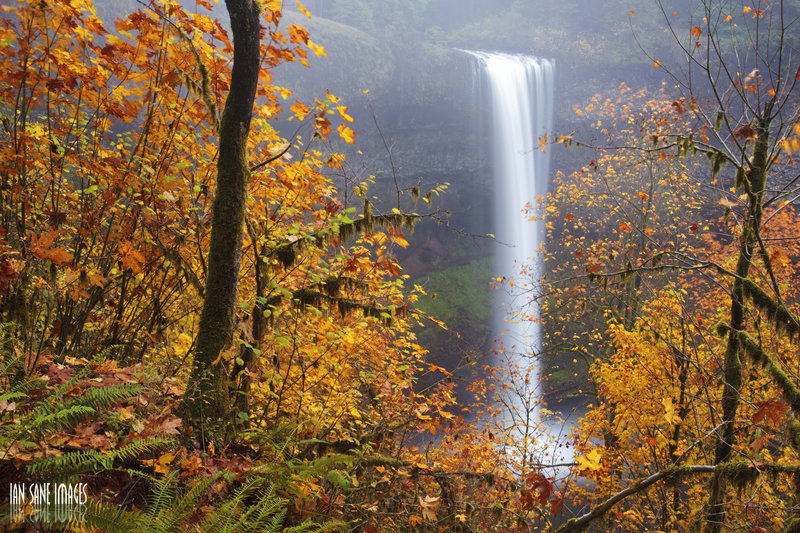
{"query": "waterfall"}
(519, 91)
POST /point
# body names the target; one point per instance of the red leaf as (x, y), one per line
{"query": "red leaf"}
(679, 106)
(746, 132)
(556, 503)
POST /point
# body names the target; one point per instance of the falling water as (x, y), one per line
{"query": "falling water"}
(520, 97)
(520, 92)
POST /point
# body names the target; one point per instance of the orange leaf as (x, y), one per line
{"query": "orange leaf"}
(745, 132)
(131, 257)
(624, 226)
(543, 143)
(41, 248)
(696, 31)
(679, 106)
(347, 134)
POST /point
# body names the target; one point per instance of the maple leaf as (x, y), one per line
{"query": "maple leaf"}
(346, 133)
(679, 106)
(429, 506)
(773, 411)
(745, 132)
(131, 257)
(170, 425)
(42, 247)
(161, 465)
(591, 461)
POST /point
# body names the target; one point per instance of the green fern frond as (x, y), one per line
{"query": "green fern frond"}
(93, 460)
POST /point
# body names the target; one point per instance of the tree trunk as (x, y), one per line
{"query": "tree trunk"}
(732, 371)
(207, 402)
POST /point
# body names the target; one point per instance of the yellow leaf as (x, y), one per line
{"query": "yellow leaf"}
(591, 461)
(670, 416)
(347, 134)
(318, 50)
(543, 143)
(656, 63)
(343, 113)
(746, 9)
(303, 10)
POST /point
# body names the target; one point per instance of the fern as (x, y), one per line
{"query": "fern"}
(93, 461)
(253, 507)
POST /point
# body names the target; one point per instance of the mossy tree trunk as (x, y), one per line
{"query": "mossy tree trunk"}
(754, 182)
(207, 402)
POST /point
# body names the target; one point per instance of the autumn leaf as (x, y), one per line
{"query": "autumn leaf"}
(300, 110)
(773, 411)
(170, 425)
(625, 227)
(696, 31)
(303, 10)
(670, 415)
(42, 247)
(131, 257)
(429, 506)
(346, 134)
(543, 143)
(679, 106)
(591, 461)
(161, 465)
(745, 132)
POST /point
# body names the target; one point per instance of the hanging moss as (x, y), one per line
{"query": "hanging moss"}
(739, 473)
(781, 318)
(741, 177)
(286, 254)
(751, 347)
(718, 121)
(793, 431)
(792, 526)
(717, 160)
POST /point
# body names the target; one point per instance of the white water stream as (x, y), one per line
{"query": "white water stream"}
(520, 98)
